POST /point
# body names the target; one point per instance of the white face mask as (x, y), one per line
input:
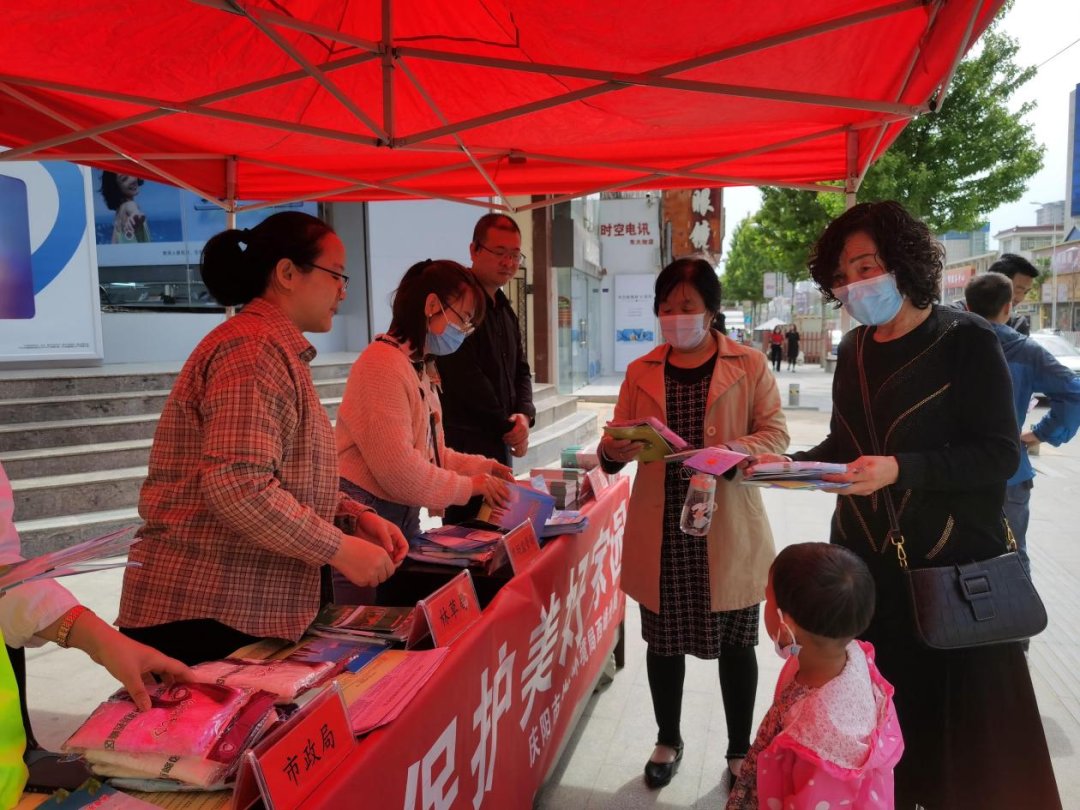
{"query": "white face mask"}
(684, 331)
(789, 650)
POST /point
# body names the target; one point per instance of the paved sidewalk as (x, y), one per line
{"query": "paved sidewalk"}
(602, 765)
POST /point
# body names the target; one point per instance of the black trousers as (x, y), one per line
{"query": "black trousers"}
(738, 687)
(191, 641)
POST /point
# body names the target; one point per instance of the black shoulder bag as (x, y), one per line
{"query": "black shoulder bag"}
(988, 602)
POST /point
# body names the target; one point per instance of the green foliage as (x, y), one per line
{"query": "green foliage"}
(950, 168)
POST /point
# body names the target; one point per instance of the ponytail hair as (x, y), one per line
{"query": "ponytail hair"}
(236, 264)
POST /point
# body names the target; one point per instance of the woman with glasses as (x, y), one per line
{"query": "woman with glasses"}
(242, 493)
(391, 448)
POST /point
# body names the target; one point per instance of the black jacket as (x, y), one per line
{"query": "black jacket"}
(485, 382)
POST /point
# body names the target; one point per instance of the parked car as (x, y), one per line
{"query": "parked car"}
(1064, 352)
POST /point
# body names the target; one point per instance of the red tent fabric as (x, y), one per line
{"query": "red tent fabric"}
(382, 99)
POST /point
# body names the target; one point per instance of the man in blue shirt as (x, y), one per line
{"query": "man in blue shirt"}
(1034, 371)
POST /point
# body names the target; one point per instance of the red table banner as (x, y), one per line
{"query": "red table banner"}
(490, 725)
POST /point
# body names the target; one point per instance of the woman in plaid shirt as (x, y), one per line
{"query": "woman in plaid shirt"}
(242, 492)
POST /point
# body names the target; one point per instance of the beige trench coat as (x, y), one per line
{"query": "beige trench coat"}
(743, 412)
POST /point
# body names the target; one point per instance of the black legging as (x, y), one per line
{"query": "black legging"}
(738, 687)
(776, 354)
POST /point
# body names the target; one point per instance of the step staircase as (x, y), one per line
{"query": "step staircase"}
(75, 443)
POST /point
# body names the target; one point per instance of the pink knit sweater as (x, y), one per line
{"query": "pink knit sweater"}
(383, 434)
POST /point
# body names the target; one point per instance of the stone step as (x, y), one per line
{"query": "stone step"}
(546, 444)
(106, 429)
(127, 378)
(52, 534)
(551, 409)
(75, 494)
(543, 392)
(89, 406)
(79, 458)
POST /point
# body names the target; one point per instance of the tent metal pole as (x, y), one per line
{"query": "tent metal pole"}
(903, 87)
(67, 122)
(327, 84)
(230, 207)
(620, 82)
(465, 149)
(960, 51)
(166, 108)
(284, 21)
(387, 50)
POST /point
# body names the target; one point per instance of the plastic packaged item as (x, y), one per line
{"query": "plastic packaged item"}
(697, 511)
(284, 678)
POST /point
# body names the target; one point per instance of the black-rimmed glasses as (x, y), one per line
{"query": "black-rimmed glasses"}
(502, 254)
(344, 279)
(466, 323)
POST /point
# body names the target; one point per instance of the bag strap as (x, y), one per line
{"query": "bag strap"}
(895, 536)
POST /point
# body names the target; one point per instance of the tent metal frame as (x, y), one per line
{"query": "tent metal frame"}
(392, 57)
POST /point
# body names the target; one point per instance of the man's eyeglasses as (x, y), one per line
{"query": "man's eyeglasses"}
(502, 254)
(466, 323)
(344, 279)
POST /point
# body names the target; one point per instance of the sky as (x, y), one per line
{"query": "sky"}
(1042, 29)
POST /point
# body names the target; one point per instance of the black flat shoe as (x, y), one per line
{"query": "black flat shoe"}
(658, 774)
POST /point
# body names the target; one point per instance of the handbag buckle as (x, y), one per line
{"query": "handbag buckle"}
(976, 587)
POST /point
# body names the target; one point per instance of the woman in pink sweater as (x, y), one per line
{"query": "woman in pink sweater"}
(391, 453)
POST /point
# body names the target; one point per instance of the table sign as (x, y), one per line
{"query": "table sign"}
(285, 767)
(522, 547)
(449, 611)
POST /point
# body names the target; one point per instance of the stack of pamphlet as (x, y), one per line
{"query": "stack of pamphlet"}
(658, 438)
(460, 546)
(795, 475)
(565, 521)
(569, 486)
(390, 624)
(193, 733)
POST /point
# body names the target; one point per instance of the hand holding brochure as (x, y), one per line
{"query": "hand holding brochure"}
(658, 438)
(714, 460)
(80, 558)
(795, 475)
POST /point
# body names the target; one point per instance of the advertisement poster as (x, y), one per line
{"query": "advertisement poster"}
(48, 270)
(635, 323)
(140, 223)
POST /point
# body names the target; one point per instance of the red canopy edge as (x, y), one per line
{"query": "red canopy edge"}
(472, 101)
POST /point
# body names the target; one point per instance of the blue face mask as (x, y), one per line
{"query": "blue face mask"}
(448, 342)
(873, 301)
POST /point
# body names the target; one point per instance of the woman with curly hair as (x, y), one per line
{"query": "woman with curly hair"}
(936, 445)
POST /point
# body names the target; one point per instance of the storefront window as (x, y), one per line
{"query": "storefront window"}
(149, 240)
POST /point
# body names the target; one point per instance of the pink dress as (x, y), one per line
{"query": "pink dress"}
(825, 748)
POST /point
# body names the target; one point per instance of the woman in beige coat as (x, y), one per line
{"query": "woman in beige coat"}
(698, 595)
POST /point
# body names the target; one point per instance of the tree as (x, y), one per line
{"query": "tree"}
(951, 168)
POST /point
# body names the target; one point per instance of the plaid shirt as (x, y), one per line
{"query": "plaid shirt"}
(242, 488)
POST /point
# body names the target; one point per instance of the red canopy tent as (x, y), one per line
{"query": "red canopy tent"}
(391, 99)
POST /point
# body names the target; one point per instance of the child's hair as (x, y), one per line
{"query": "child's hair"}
(827, 589)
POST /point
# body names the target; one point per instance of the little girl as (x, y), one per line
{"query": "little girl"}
(830, 738)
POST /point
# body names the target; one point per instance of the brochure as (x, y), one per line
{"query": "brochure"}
(658, 438)
(78, 559)
(795, 475)
(525, 504)
(714, 460)
(365, 621)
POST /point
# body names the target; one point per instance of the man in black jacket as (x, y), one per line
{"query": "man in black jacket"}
(1023, 275)
(486, 384)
